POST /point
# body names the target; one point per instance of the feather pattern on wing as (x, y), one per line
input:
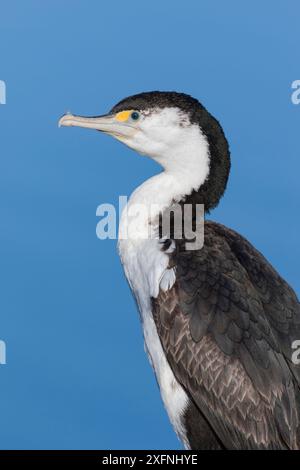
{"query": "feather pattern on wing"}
(226, 327)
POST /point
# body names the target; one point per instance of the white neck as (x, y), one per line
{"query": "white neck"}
(185, 170)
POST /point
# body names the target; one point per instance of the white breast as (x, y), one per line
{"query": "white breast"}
(144, 274)
(146, 268)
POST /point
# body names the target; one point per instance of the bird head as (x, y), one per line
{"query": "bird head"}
(172, 128)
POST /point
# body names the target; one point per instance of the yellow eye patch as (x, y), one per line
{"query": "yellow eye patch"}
(123, 116)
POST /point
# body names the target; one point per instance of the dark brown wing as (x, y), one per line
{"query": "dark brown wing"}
(227, 328)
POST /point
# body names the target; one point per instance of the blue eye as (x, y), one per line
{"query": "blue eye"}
(135, 115)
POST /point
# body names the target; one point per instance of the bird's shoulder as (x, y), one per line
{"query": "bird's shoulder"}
(236, 277)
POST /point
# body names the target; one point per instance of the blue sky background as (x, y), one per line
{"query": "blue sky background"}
(76, 374)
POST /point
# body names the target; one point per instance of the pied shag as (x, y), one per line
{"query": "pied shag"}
(218, 322)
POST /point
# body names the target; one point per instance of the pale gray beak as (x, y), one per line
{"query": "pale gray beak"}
(106, 123)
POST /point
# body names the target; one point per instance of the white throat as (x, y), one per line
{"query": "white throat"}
(186, 167)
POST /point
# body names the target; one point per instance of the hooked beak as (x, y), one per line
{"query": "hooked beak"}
(106, 123)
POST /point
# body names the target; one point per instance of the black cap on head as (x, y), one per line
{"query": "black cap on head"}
(158, 99)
